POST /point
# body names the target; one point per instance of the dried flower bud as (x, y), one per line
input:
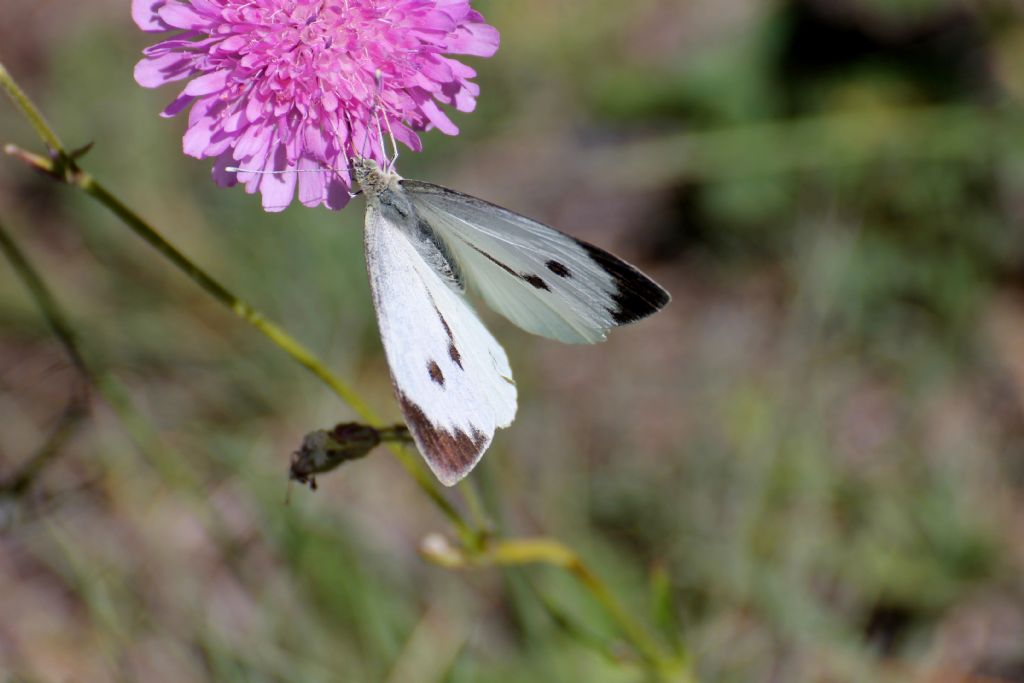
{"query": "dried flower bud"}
(323, 451)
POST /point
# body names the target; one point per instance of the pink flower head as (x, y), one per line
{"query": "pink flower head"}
(292, 85)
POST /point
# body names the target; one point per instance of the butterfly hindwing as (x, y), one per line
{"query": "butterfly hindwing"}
(451, 377)
(543, 280)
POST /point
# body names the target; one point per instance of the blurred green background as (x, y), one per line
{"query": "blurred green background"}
(810, 467)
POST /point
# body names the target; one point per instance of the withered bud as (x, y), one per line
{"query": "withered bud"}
(323, 451)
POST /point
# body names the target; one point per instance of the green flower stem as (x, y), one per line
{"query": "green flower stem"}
(275, 334)
(526, 551)
(44, 299)
(109, 389)
(30, 111)
(271, 331)
(25, 476)
(63, 166)
(69, 172)
(552, 551)
(477, 513)
(77, 407)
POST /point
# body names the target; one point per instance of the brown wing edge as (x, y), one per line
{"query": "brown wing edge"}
(451, 456)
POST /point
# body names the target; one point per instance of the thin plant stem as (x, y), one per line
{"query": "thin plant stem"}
(476, 509)
(271, 331)
(267, 328)
(30, 111)
(63, 166)
(551, 551)
(108, 388)
(40, 293)
(18, 483)
(525, 551)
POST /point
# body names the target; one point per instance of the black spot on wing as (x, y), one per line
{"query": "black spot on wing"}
(558, 269)
(451, 454)
(637, 296)
(526, 277)
(453, 351)
(454, 354)
(444, 323)
(435, 372)
(536, 282)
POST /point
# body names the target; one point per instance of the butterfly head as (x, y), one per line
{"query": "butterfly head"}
(370, 177)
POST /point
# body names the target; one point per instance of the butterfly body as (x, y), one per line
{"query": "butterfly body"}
(425, 245)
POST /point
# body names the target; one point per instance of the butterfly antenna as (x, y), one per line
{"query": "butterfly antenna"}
(394, 144)
(239, 169)
(351, 136)
(379, 107)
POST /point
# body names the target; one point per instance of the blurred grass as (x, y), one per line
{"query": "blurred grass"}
(810, 463)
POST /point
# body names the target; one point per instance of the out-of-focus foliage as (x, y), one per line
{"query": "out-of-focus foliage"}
(808, 468)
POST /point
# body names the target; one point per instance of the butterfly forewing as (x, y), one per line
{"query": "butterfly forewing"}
(541, 279)
(451, 377)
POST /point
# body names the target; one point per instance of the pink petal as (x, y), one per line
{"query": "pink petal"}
(252, 180)
(235, 122)
(220, 174)
(254, 108)
(407, 137)
(253, 140)
(177, 106)
(205, 108)
(459, 70)
(197, 138)
(312, 182)
(232, 44)
(480, 40)
(436, 70)
(146, 15)
(182, 16)
(154, 72)
(219, 144)
(465, 100)
(438, 117)
(313, 142)
(338, 193)
(182, 42)
(207, 7)
(421, 80)
(208, 83)
(277, 189)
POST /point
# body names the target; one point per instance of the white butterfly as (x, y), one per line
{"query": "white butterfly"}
(424, 244)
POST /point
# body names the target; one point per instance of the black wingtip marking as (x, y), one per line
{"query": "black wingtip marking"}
(558, 269)
(637, 295)
(451, 454)
(435, 372)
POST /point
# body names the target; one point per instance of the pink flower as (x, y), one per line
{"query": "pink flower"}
(278, 85)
